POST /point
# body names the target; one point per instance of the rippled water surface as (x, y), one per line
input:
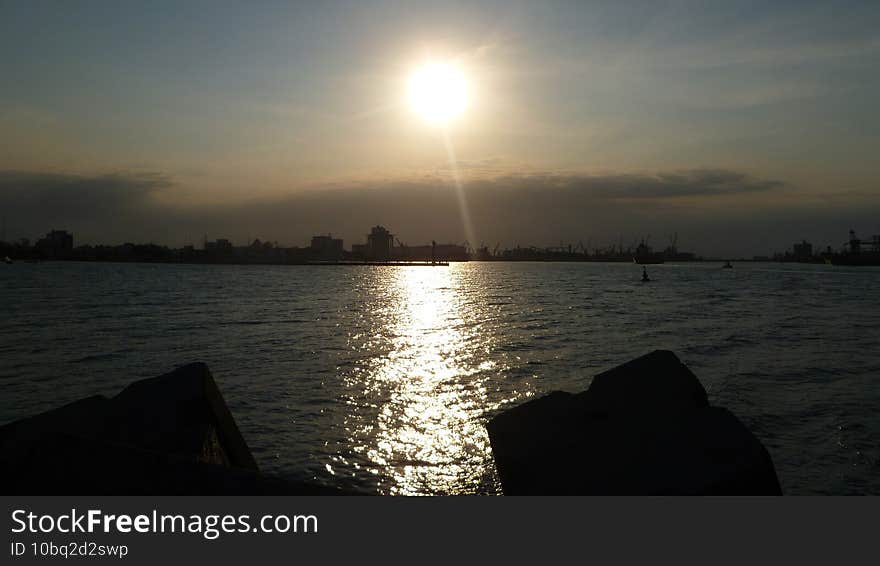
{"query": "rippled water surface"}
(381, 379)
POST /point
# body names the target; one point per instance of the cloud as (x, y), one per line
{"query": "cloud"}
(69, 191)
(690, 183)
(719, 211)
(33, 202)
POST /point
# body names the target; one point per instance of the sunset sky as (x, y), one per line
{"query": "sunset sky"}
(740, 126)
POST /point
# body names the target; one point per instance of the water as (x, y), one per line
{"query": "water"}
(380, 379)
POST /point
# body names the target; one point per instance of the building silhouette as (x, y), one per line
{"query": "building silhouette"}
(803, 251)
(326, 247)
(56, 244)
(379, 243)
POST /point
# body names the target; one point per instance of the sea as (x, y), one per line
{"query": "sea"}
(380, 379)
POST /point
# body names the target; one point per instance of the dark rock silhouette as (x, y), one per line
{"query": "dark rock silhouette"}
(171, 434)
(642, 428)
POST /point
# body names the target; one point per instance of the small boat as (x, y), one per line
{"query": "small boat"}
(727, 266)
(7, 259)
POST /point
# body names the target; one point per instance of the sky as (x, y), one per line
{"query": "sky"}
(740, 126)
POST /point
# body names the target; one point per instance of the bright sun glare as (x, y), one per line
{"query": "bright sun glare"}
(438, 92)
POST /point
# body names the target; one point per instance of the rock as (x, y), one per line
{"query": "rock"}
(171, 434)
(654, 383)
(183, 413)
(642, 428)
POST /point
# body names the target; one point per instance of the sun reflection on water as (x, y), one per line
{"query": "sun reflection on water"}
(416, 410)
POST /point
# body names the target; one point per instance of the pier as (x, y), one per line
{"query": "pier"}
(392, 263)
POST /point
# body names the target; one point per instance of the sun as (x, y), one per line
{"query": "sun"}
(438, 92)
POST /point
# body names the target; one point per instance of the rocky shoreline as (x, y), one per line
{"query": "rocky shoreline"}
(642, 428)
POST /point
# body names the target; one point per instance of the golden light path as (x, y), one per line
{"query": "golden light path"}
(416, 412)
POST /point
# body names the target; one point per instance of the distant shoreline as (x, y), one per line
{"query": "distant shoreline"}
(401, 263)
